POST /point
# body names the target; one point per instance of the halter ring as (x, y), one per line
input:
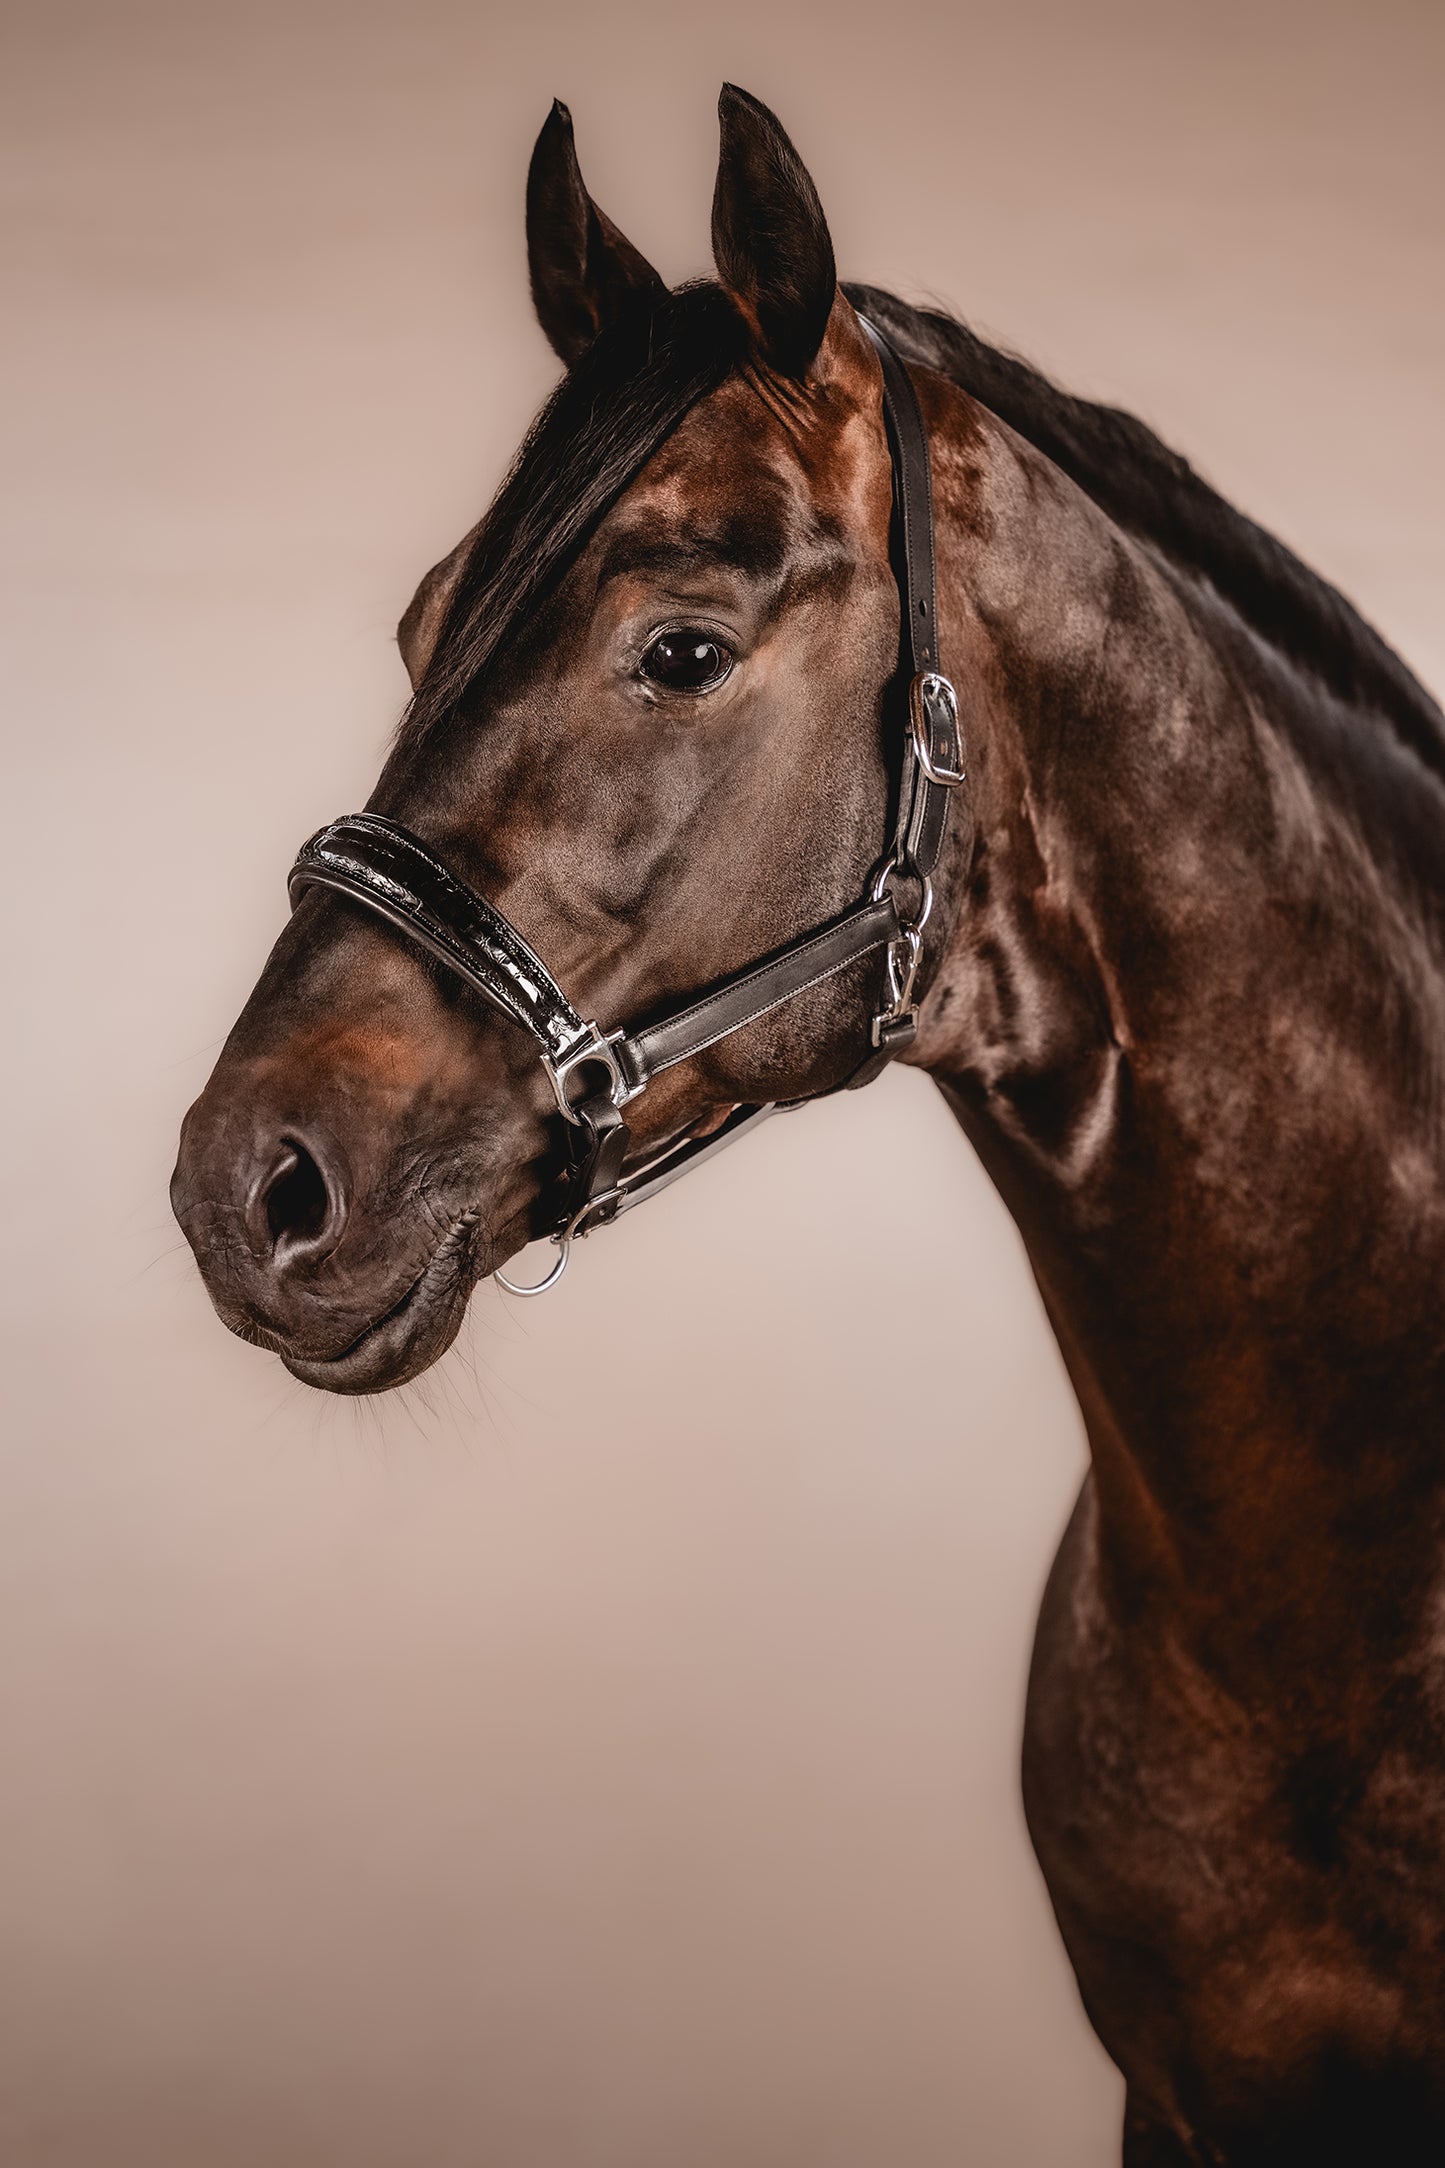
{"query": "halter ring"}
(564, 1251)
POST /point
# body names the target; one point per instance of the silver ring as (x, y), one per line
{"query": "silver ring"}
(893, 870)
(564, 1248)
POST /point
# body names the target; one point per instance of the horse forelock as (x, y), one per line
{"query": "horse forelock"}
(606, 419)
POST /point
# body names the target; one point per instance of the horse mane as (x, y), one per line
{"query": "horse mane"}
(633, 386)
(1155, 495)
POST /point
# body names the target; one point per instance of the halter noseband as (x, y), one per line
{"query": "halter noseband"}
(383, 866)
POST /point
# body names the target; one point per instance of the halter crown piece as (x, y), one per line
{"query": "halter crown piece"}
(596, 1073)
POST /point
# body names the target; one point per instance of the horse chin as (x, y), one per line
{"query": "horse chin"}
(413, 1334)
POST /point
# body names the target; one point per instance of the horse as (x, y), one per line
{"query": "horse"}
(1177, 972)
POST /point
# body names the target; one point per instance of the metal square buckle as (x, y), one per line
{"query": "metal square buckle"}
(929, 689)
(594, 1046)
(892, 1034)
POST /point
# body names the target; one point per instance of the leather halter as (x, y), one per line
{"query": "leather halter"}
(383, 866)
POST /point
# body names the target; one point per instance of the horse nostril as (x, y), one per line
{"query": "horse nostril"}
(297, 1198)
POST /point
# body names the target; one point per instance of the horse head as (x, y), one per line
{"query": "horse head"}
(649, 692)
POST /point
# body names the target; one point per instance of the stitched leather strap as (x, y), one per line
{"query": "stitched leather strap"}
(388, 869)
(922, 802)
(913, 499)
(742, 1000)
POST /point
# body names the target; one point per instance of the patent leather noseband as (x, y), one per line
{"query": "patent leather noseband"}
(595, 1073)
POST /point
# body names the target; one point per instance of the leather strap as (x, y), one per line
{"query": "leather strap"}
(913, 500)
(933, 714)
(598, 1142)
(393, 873)
(742, 1000)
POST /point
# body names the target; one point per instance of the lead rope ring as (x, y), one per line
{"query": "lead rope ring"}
(564, 1239)
(564, 1250)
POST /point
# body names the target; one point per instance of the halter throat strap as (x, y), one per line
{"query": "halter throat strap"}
(595, 1073)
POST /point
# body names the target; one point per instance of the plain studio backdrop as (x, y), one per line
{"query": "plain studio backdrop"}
(604, 1754)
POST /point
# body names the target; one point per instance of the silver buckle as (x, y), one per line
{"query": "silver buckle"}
(932, 685)
(594, 1045)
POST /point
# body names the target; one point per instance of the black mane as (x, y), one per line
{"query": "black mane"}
(1155, 495)
(632, 388)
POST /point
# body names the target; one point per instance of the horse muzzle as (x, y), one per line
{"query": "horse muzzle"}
(357, 1288)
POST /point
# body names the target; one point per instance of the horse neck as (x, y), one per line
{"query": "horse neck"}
(1192, 1017)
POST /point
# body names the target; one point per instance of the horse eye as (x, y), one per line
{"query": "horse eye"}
(687, 661)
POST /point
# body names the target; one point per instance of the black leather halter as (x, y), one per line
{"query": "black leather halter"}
(596, 1073)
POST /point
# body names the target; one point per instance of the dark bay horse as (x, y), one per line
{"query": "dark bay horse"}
(1183, 985)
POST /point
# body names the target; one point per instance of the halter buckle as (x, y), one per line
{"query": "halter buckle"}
(929, 691)
(597, 1046)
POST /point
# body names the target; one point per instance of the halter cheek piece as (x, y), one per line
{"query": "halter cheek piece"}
(391, 872)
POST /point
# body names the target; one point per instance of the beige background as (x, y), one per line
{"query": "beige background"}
(513, 1773)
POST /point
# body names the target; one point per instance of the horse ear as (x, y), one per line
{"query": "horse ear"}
(585, 273)
(770, 237)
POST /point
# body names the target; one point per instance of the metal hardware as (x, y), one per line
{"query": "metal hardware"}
(595, 1045)
(576, 1230)
(901, 960)
(893, 870)
(564, 1250)
(902, 975)
(893, 1026)
(930, 685)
